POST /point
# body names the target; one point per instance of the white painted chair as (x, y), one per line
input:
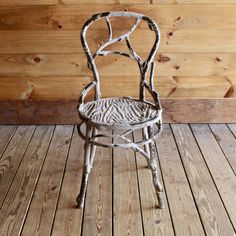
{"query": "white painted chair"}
(123, 114)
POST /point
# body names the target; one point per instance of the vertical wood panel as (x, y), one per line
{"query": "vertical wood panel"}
(155, 221)
(42, 209)
(6, 133)
(211, 208)
(227, 142)
(12, 157)
(183, 209)
(68, 219)
(98, 206)
(224, 177)
(15, 206)
(126, 213)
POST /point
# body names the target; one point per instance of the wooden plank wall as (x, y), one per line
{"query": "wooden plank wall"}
(41, 56)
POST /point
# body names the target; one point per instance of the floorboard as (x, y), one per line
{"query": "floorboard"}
(40, 175)
(14, 208)
(219, 167)
(68, 219)
(211, 209)
(42, 209)
(182, 205)
(233, 129)
(6, 133)
(12, 157)
(98, 208)
(227, 142)
(127, 219)
(156, 221)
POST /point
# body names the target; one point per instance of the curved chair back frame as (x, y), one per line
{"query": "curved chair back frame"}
(143, 65)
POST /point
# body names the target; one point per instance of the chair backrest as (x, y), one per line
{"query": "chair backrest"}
(143, 65)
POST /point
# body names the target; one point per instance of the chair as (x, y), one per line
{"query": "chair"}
(124, 114)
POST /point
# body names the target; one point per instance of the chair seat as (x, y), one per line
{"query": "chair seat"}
(121, 112)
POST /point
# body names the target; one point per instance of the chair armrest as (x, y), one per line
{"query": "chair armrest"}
(85, 91)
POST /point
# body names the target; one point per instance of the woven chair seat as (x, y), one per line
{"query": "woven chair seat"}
(119, 112)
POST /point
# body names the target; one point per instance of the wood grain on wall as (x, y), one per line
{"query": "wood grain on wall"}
(41, 55)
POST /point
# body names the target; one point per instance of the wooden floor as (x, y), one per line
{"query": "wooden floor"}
(40, 174)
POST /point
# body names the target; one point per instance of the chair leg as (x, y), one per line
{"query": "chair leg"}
(86, 170)
(146, 146)
(153, 166)
(93, 147)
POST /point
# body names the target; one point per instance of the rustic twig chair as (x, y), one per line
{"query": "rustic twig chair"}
(124, 113)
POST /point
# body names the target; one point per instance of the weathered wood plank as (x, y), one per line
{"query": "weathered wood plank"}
(42, 209)
(194, 64)
(103, 2)
(167, 64)
(64, 17)
(183, 210)
(64, 111)
(26, 2)
(126, 206)
(198, 110)
(193, 1)
(15, 206)
(43, 112)
(6, 133)
(71, 87)
(63, 2)
(44, 87)
(12, 157)
(201, 87)
(219, 167)
(155, 221)
(35, 41)
(152, 1)
(213, 215)
(233, 128)
(68, 219)
(232, 80)
(98, 206)
(227, 142)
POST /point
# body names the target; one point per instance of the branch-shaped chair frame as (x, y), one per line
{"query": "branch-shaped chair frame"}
(151, 127)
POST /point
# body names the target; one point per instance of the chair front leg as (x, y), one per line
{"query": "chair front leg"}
(93, 147)
(153, 166)
(86, 169)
